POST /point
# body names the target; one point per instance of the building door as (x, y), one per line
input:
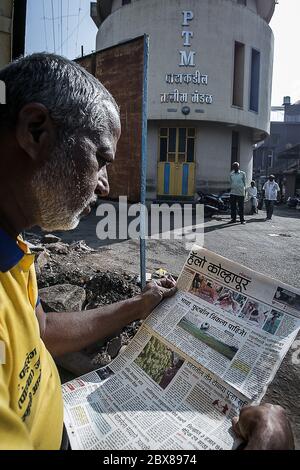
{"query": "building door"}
(176, 162)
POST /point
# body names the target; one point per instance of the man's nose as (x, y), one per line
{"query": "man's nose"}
(102, 188)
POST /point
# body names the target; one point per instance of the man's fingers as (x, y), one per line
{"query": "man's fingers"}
(234, 421)
(170, 283)
(236, 427)
(169, 292)
(167, 282)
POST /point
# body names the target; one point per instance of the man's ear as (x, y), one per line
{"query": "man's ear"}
(35, 131)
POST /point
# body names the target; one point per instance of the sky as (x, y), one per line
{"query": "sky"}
(286, 73)
(77, 28)
(63, 37)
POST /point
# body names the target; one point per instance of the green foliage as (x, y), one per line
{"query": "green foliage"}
(155, 359)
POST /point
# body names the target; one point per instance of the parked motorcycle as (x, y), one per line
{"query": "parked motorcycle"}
(214, 204)
(294, 202)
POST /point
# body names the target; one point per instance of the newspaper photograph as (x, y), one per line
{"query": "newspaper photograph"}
(199, 358)
(243, 322)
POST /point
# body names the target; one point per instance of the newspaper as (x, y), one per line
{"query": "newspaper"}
(199, 358)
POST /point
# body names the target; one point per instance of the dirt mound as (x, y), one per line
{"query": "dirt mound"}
(67, 265)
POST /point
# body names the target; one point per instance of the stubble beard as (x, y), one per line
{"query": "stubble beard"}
(59, 193)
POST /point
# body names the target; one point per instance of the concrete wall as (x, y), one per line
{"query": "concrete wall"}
(6, 7)
(213, 148)
(152, 150)
(213, 43)
(290, 185)
(246, 154)
(213, 164)
(251, 4)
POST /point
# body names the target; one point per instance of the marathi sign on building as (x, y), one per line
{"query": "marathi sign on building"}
(187, 59)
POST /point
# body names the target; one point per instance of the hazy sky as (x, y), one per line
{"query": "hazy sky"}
(286, 74)
(79, 29)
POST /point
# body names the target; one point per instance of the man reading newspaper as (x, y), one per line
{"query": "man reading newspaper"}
(203, 357)
(55, 148)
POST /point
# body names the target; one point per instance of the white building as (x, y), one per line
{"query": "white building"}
(210, 77)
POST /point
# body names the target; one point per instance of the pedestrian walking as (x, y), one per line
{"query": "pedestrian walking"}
(271, 190)
(237, 192)
(252, 194)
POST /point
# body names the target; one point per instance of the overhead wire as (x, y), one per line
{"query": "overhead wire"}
(68, 26)
(61, 26)
(53, 25)
(74, 30)
(57, 25)
(58, 17)
(45, 27)
(78, 24)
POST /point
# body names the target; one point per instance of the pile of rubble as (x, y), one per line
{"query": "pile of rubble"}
(68, 281)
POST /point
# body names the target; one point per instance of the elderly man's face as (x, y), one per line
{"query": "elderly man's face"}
(76, 173)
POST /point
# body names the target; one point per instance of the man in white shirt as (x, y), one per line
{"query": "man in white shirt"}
(252, 193)
(271, 190)
(237, 192)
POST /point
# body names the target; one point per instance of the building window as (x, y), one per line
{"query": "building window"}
(177, 145)
(125, 2)
(270, 159)
(254, 80)
(275, 139)
(235, 147)
(238, 75)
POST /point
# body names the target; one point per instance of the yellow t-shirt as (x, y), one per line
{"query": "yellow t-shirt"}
(31, 407)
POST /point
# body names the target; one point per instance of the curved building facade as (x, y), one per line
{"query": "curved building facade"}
(209, 85)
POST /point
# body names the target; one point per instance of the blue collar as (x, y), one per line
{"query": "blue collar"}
(10, 252)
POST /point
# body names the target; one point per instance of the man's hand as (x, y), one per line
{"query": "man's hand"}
(73, 331)
(155, 292)
(264, 427)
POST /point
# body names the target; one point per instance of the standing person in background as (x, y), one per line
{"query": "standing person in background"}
(252, 193)
(237, 192)
(271, 190)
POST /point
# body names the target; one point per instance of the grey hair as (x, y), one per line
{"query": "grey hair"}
(74, 98)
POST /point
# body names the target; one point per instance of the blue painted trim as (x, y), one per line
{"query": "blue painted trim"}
(167, 173)
(185, 179)
(10, 252)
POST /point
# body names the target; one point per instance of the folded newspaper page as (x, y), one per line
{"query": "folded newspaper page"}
(198, 359)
